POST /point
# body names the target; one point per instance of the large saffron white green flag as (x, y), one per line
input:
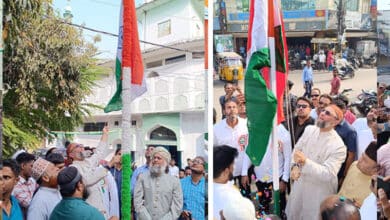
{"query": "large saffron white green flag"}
(265, 22)
(128, 55)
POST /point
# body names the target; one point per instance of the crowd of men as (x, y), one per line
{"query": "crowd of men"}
(84, 186)
(328, 158)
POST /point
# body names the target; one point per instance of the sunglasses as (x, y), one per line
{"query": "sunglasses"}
(302, 106)
(315, 95)
(328, 113)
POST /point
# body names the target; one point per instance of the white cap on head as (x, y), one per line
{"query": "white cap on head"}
(163, 152)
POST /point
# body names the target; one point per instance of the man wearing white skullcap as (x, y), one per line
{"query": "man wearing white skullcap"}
(158, 195)
(47, 196)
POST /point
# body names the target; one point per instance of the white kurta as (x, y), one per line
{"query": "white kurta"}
(325, 152)
(223, 195)
(264, 170)
(43, 203)
(92, 175)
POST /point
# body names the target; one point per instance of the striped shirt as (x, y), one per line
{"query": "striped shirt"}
(194, 197)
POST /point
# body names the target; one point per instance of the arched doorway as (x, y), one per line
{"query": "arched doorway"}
(164, 136)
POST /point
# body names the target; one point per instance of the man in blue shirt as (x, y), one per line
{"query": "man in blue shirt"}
(307, 78)
(349, 136)
(194, 191)
(9, 177)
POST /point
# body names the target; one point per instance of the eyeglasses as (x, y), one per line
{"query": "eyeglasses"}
(315, 95)
(302, 106)
(328, 113)
(198, 161)
(75, 146)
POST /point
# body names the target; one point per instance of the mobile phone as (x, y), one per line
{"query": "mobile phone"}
(381, 184)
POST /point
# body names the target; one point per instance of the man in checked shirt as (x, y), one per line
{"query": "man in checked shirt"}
(26, 186)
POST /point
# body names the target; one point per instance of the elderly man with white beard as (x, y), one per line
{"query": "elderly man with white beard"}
(158, 195)
(317, 158)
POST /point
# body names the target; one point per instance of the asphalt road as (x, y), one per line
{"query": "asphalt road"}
(364, 79)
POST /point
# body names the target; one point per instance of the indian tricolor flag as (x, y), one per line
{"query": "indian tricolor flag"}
(128, 56)
(265, 26)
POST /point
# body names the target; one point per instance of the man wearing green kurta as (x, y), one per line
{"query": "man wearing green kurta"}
(74, 193)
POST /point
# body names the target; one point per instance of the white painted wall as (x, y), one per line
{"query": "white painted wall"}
(186, 22)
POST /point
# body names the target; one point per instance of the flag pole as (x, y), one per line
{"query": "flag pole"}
(274, 142)
(274, 145)
(126, 141)
(127, 70)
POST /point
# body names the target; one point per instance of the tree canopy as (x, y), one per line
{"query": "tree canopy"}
(48, 70)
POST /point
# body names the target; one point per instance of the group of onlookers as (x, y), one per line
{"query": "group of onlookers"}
(327, 157)
(84, 186)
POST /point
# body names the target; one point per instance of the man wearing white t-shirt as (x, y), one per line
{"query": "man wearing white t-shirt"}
(173, 169)
(224, 192)
(322, 59)
(232, 131)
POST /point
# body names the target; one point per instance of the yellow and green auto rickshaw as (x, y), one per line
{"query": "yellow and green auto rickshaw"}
(229, 66)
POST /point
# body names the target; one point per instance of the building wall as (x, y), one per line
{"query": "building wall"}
(185, 17)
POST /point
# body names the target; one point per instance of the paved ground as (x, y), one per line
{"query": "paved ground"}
(364, 79)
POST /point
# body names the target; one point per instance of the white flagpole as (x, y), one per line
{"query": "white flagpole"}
(274, 141)
(126, 133)
(126, 110)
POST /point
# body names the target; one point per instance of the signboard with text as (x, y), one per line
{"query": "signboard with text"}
(223, 43)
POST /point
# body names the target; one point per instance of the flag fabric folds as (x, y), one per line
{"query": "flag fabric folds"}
(128, 55)
(265, 21)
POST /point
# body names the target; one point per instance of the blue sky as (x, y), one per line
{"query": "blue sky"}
(97, 14)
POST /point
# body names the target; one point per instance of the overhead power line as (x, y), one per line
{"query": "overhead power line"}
(116, 35)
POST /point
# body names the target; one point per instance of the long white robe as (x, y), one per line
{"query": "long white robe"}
(92, 174)
(325, 152)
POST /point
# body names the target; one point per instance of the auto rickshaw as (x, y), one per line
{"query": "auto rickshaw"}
(229, 66)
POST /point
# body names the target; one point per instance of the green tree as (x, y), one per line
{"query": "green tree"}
(48, 69)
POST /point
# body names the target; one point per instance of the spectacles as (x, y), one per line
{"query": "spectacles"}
(302, 106)
(198, 161)
(328, 113)
(315, 95)
(76, 146)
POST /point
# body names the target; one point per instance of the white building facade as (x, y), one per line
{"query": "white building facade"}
(172, 111)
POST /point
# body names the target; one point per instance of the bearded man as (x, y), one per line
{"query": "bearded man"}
(224, 192)
(233, 131)
(48, 195)
(317, 158)
(88, 166)
(158, 195)
(74, 193)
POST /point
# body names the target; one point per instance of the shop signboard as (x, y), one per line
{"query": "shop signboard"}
(331, 21)
(223, 43)
(353, 20)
